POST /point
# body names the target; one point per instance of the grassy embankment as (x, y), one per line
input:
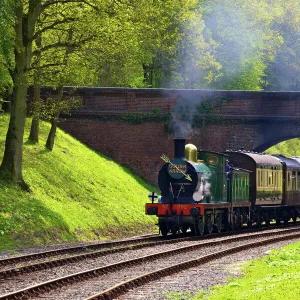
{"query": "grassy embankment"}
(77, 194)
(273, 277)
(288, 148)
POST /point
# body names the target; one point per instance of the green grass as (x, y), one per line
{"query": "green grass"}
(288, 148)
(273, 277)
(77, 194)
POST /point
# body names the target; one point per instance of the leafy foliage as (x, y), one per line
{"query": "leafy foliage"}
(284, 72)
(288, 148)
(246, 41)
(183, 44)
(6, 44)
(51, 107)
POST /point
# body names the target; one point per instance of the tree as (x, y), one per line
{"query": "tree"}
(65, 35)
(246, 41)
(6, 49)
(284, 72)
(181, 55)
(52, 107)
(26, 14)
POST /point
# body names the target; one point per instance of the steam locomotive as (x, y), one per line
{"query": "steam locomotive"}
(212, 192)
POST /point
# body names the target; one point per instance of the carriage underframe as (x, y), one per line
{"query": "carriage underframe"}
(207, 218)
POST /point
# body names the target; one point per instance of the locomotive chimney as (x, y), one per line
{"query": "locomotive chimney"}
(179, 148)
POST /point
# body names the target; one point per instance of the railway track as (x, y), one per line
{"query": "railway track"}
(74, 250)
(27, 267)
(146, 268)
(87, 249)
(15, 266)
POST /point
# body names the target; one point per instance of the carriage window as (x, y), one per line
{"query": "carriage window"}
(272, 178)
(294, 181)
(298, 181)
(279, 178)
(288, 179)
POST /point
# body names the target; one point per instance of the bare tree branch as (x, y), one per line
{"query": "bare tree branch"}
(88, 3)
(53, 25)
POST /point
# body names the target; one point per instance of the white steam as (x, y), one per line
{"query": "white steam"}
(204, 189)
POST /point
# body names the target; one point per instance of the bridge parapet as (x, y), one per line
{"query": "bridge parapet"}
(240, 103)
(248, 119)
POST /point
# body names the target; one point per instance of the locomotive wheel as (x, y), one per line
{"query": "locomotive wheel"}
(184, 229)
(219, 223)
(249, 224)
(199, 227)
(163, 229)
(237, 223)
(174, 230)
(193, 230)
(209, 227)
(294, 217)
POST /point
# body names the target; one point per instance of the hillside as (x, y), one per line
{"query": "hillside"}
(77, 194)
(287, 148)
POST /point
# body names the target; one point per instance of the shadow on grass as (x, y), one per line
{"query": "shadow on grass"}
(45, 150)
(25, 221)
(30, 143)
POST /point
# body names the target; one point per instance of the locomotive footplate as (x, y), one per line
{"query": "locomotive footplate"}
(159, 209)
(226, 204)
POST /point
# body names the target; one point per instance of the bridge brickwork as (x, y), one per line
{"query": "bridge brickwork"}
(237, 119)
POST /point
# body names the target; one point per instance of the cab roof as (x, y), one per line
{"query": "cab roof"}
(258, 158)
(291, 163)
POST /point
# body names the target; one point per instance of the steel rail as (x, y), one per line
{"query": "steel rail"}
(123, 287)
(59, 282)
(93, 247)
(9, 273)
(45, 254)
(20, 270)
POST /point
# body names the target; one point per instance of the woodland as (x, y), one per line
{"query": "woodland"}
(190, 44)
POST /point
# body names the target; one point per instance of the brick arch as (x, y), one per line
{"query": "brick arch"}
(270, 143)
(256, 136)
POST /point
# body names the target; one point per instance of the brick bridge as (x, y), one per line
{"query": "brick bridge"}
(132, 126)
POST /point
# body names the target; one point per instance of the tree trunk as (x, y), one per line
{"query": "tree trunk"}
(35, 123)
(54, 121)
(34, 130)
(52, 133)
(12, 159)
(24, 30)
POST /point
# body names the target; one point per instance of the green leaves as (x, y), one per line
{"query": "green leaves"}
(180, 43)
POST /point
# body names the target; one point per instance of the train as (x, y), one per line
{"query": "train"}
(205, 192)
